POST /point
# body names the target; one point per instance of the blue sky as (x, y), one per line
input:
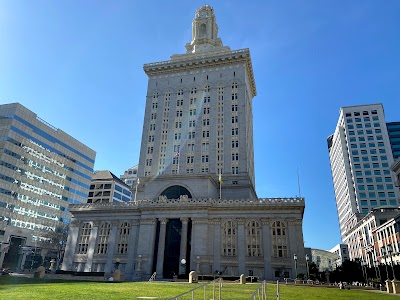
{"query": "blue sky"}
(79, 66)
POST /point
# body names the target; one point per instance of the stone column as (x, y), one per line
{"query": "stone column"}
(111, 247)
(241, 243)
(91, 246)
(183, 248)
(161, 248)
(267, 248)
(131, 248)
(70, 247)
(199, 241)
(217, 245)
(145, 248)
(292, 243)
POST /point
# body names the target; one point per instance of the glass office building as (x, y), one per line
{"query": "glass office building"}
(393, 129)
(42, 170)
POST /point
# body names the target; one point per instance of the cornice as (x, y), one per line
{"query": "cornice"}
(213, 59)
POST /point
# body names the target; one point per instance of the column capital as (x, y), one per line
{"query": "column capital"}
(241, 221)
(265, 221)
(163, 221)
(295, 222)
(114, 223)
(134, 222)
(96, 223)
(184, 220)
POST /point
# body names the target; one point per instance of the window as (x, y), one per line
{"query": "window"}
(229, 238)
(253, 238)
(104, 234)
(279, 242)
(192, 123)
(234, 119)
(365, 158)
(363, 195)
(204, 159)
(190, 159)
(83, 244)
(388, 179)
(235, 144)
(191, 135)
(206, 110)
(235, 156)
(235, 131)
(235, 170)
(192, 112)
(179, 102)
(376, 124)
(206, 122)
(206, 133)
(122, 246)
(179, 113)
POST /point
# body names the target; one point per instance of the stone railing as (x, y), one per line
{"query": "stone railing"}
(185, 201)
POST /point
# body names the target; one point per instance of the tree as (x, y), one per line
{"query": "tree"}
(56, 241)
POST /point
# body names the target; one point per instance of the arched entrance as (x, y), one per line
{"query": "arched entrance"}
(173, 236)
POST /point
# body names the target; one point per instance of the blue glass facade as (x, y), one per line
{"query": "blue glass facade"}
(394, 137)
(42, 170)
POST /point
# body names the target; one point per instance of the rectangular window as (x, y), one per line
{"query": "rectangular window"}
(388, 179)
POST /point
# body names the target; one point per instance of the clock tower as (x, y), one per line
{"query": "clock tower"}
(204, 31)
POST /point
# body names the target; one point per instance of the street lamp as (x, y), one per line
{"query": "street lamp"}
(295, 264)
(390, 251)
(377, 271)
(308, 270)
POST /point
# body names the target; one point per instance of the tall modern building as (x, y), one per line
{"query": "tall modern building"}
(394, 137)
(42, 170)
(360, 155)
(197, 126)
(130, 177)
(198, 119)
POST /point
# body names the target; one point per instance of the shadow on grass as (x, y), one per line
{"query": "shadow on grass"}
(12, 280)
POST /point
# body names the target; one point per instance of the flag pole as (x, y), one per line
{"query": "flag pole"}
(298, 181)
(220, 185)
(137, 183)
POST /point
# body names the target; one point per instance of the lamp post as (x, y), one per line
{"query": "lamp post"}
(295, 264)
(308, 269)
(377, 271)
(364, 271)
(390, 251)
(183, 265)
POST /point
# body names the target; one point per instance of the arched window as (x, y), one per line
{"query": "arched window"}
(104, 234)
(253, 236)
(229, 238)
(83, 244)
(279, 242)
(124, 229)
(175, 192)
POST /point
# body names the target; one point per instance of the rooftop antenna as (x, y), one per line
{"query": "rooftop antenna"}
(298, 182)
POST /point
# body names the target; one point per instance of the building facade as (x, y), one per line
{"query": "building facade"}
(360, 156)
(105, 187)
(198, 119)
(394, 137)
(42, 170)
(342, 252)
(196, 198)
(130, 177)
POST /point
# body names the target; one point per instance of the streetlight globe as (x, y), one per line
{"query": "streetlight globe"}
(307, 258)
(295, 256)
(183, 261)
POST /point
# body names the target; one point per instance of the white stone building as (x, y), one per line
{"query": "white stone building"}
(360, 156)
(196, 198)
(342, 252)
(130, 177)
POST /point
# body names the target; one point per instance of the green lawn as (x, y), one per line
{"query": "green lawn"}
(26, 288)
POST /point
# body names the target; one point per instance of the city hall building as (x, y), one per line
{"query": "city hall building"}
(196, 197)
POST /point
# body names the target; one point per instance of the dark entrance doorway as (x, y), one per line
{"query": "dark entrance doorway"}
(12, 257)
(172, 248)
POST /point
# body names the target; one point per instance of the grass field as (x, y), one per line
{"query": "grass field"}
(27, 288)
